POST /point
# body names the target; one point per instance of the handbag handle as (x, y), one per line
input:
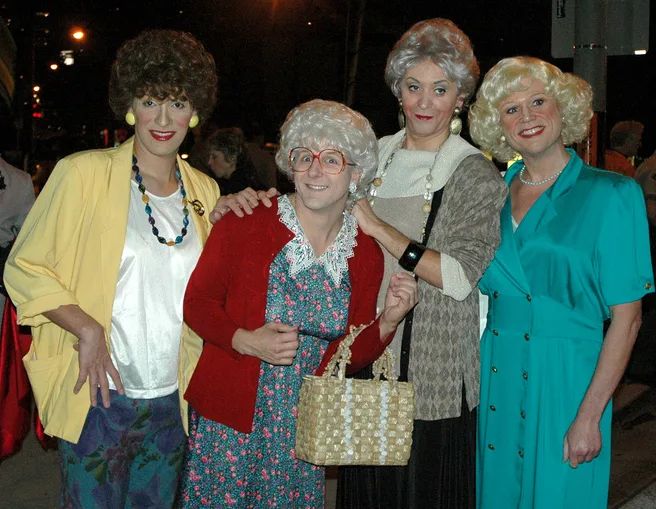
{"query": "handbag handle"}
(383, 366)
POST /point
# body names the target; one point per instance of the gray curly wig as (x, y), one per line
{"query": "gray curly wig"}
(319, 123)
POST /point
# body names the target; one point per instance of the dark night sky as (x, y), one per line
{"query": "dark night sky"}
(270, 59)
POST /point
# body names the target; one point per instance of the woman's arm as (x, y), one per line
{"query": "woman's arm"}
(469, 231)
(366, 270)
(394, 242)
(205, 296)
(222, 268)
(400, 298)
(33, 271)
(583, 439)
(38, 286)
(275, 343)
(371, 342)
(243, 201)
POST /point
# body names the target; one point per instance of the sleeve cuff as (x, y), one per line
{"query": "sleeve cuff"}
(31, 312)
(454, 281)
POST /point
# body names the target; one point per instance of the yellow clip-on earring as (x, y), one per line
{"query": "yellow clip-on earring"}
(129, 118)
(193, 121)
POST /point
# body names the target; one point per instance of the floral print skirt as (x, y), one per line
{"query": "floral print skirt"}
(128, 455)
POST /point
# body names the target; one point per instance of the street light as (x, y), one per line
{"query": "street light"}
(78, 34)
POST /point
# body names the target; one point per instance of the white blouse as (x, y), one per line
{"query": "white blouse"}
(147, 311)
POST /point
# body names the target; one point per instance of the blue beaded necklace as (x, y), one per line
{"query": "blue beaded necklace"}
(151, 220)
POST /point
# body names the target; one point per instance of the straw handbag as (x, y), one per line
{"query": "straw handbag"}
(345, 421)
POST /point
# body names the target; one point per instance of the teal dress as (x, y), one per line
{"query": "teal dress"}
(581, 248)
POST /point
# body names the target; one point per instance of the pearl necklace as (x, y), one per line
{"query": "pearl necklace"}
(149, 211)
(428, 188)
(536, 182)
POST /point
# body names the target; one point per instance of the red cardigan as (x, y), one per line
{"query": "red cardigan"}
(228, 290)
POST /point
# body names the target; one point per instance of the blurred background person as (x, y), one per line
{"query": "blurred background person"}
(16, 199)
(272, 296)
(574, 252)
(229, 163)
(625, 141)
(646, 177)
(261, 153)
(99, 271)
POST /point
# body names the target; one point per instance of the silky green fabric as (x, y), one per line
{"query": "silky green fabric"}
(582, 247)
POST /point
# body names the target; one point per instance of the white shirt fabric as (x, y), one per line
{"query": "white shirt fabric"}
(147, 310)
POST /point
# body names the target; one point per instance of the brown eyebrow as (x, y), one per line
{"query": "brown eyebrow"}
(434, 82)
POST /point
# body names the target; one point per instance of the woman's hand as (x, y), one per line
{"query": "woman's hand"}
(93, 358)
(243, 201)
(582, 442)
(364, 214)
(401, 297)
(275, 343)
(95, 364)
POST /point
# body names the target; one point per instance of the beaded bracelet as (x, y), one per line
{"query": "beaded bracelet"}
(411, 256)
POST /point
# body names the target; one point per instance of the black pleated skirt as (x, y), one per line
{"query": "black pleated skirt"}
(439, 475)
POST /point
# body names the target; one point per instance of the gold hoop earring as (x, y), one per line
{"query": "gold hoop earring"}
(130, 119)
(455, 126)
(193, 121)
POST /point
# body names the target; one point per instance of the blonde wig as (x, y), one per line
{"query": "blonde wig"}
(572, 94)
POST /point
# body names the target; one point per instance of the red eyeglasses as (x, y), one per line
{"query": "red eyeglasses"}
(332, 161)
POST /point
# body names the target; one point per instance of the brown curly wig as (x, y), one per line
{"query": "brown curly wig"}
(163, 64)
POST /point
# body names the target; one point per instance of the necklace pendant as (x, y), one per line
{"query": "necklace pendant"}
(377, 182)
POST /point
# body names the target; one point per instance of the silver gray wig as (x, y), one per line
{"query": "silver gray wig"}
(443, 43)
(319, 123)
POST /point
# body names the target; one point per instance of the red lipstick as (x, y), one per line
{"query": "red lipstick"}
(162, 135)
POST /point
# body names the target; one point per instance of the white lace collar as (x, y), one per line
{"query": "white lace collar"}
(299, 252)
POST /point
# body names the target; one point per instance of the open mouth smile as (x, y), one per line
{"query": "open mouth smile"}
(315, 187)
(533, 131)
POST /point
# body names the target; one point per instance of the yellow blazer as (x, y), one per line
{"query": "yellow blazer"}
(68, 252)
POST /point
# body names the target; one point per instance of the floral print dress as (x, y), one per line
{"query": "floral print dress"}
(226, 468)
